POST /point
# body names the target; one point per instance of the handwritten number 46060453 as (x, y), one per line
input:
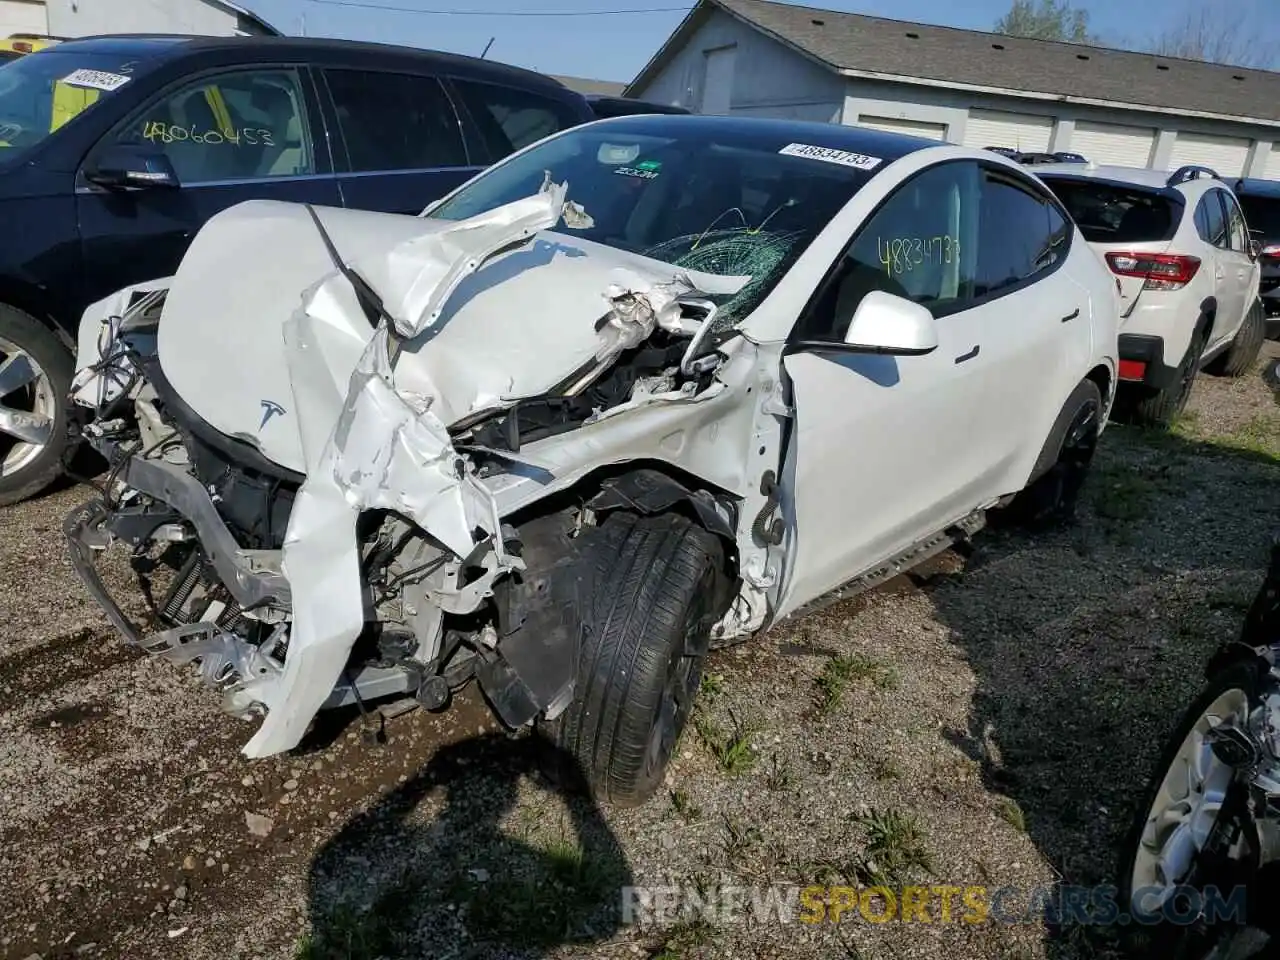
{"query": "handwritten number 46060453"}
(160, 132)
(903, 254)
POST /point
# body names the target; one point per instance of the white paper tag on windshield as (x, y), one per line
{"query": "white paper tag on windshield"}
(95, 80)
(859, 161)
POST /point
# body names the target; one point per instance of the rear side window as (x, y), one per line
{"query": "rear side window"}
(1117, 213)
(393, 121)
(511, 119)
(1211, 222)
(1020, 234)
(1237, 232)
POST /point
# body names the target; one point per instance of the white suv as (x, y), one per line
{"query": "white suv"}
(1187, 272)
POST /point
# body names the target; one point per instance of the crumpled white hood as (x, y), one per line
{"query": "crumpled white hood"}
(475, 335)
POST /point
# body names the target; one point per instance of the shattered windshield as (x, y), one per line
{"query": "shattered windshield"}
(41, 91)
(717, 198)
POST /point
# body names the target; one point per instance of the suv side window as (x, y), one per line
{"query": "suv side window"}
(1211, 223)
(1020, 233)
(1237, 229)
(394, 121)
(916, 245)
(246, 125)
(510, 119)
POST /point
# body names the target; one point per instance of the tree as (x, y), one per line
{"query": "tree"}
(1046, 20)
(1218, 34)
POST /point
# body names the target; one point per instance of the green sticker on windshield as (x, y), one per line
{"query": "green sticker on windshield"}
(653, 165)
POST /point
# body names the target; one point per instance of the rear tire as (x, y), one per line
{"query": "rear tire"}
(1052, 497)
(1162, 408)
(27, 468)
(1243, 352)
(654, 588)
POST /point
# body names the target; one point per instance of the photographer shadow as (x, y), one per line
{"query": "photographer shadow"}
(472, 875)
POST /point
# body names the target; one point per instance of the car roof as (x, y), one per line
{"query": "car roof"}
(1256, 187)
(1139, 176)
(172, 46)
(864, 140)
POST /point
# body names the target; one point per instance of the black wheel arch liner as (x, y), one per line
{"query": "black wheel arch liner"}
(648, 491)
(1053, 442)
(39, 306)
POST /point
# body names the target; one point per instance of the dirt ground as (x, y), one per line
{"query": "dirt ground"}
(986, 724)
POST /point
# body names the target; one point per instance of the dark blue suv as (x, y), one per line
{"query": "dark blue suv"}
(114, 151)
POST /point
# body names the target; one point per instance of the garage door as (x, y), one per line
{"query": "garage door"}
(1273, 164)
(915, 128)
(1114, 144)
(987, 128)
(1227, 155)
(22, 16)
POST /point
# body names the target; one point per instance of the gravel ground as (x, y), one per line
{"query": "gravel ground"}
(987, 722)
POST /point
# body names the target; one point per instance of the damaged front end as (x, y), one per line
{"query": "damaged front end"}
(411, 514)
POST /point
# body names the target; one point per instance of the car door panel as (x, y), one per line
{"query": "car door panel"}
(228, 136)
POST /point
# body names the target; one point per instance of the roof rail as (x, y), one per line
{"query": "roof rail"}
(1190, 172)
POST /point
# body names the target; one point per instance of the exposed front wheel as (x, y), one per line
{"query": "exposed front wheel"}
(1191, 842)
(35, 378)
(655, 587)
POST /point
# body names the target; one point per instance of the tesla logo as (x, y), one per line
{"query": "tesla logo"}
(269, 409)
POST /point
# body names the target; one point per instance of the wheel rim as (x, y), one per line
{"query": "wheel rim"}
(28, 409)
(1185, 808)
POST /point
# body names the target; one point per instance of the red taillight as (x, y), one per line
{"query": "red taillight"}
(1161, 271)
(22, 47)
(1132, 369)
(1272, 250)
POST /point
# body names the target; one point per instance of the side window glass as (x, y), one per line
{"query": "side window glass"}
(1019, 234)
(394, 121)
(510, 119)
(918, 245)
(1237, 230)
(235, 126)
(1215, 228)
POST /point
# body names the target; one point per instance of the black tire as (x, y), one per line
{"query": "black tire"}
(1243, 352)
(1145, 408)
(1165, 939)
(1052, 497)
(655, 588)
(43, 346)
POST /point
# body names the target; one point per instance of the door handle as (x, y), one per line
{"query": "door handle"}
(1071, 316)
(970, 355)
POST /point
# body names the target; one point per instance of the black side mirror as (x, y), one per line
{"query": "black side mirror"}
(123, 166)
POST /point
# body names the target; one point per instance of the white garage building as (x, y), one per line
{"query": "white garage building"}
(759, 58)
(82, 18)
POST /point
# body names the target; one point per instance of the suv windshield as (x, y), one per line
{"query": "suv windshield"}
(717, 198)
(41, 91)
(1109, 212)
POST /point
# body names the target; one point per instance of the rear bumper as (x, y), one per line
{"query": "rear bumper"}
(1142, 362)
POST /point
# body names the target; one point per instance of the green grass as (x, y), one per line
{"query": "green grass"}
(684, 806)
(895, 847)
(841, 671)
(1012, 814)
(780, 775)
(711, 686)
(683, 939)
(732, 749)
(1260, 435)
(348, 932)
(1122, 493)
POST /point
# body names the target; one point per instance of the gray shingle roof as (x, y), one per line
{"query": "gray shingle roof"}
(848, 41)
(584, 86)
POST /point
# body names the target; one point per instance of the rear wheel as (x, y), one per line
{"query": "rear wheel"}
(35, 378)
(655, 588)
(1240, 356)
(1052, 497)
(1163, 407)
